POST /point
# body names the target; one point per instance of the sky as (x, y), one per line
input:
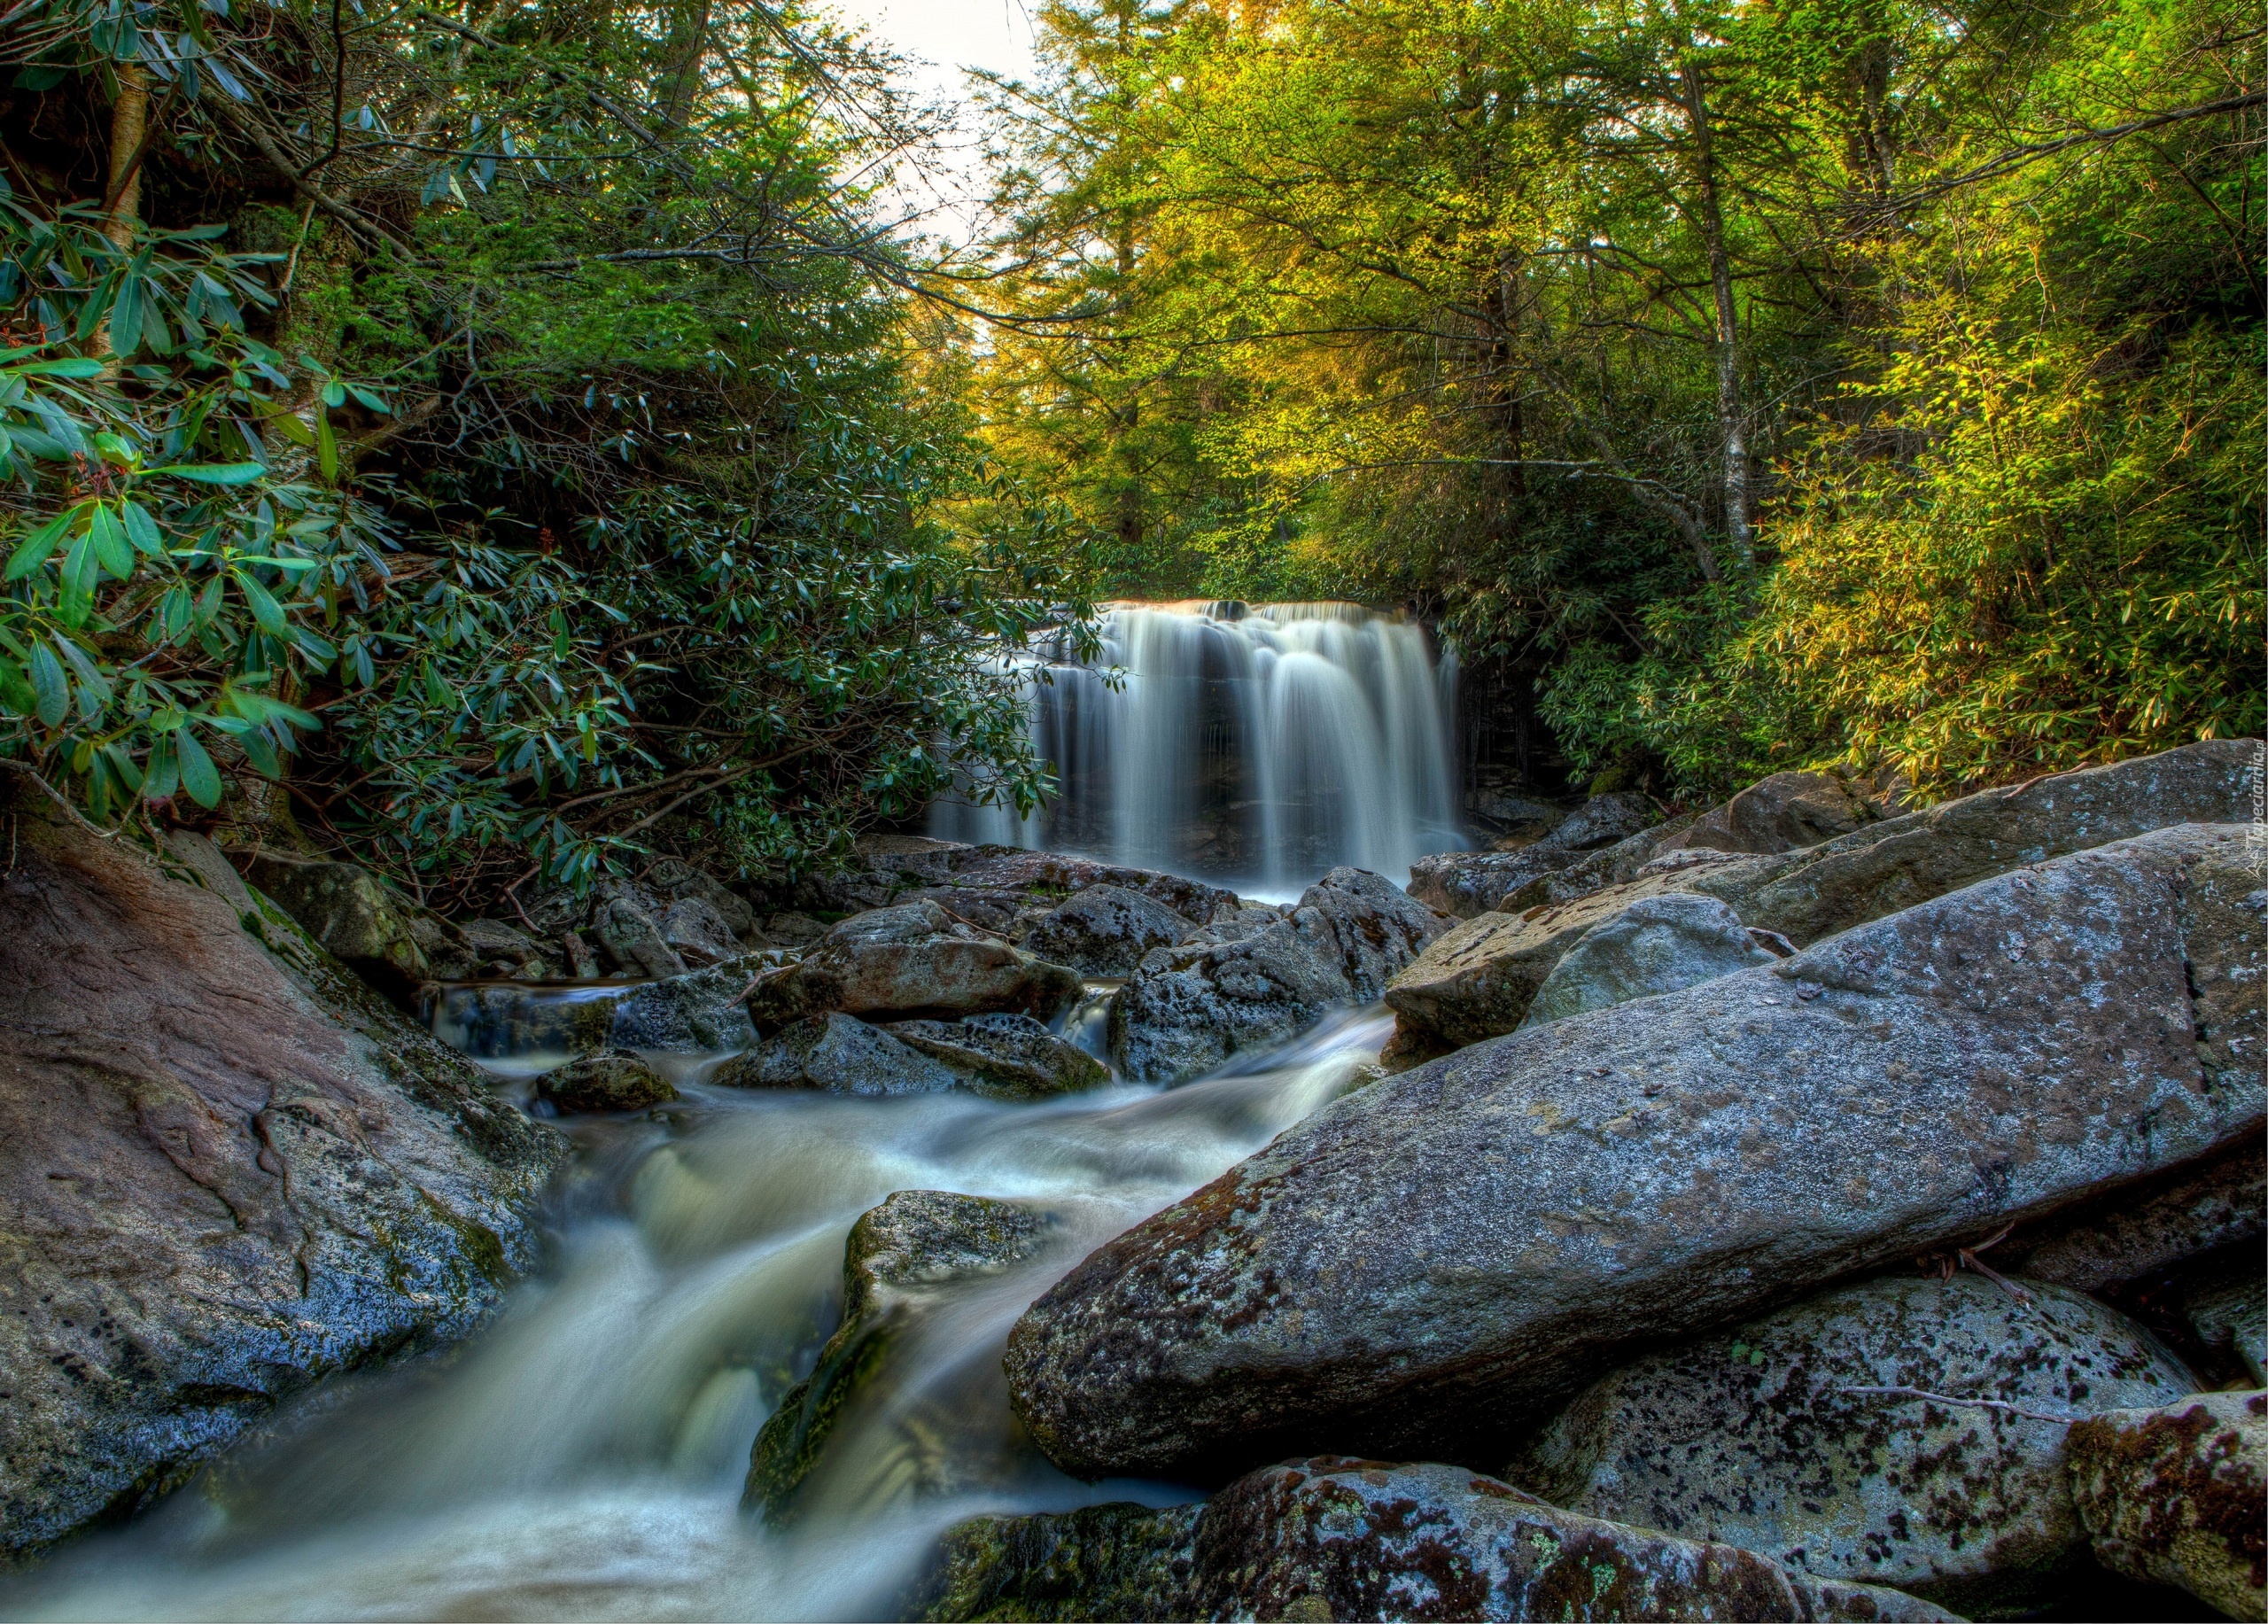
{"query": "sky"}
(948, 37)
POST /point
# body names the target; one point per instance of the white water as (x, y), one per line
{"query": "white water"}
(1260, 746)
(584, 1457)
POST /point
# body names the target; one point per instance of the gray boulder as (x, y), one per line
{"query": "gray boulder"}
(356, 916)
(615, 1081)
(1801, 1436)
(697, 933)
(1186, 1009)
(1786, 812)
(229, 1168)
(678, 879)
(1465, 883)
(697, 1013)
(990, 887)
(632, 937)
(838, 1054)
(896, 1254)
(911, 959)
(1104, 930)
(503, 951)
(1010, 1057)
(1655, 945)
(1471, 1238)
(2179, 1495)
(1335, 1538)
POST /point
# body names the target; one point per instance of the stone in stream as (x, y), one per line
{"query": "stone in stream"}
(229, 1168)
(1654, 945)
(911, 959)
(2178, 1496)
(1104, 930)
(1429, 1262)
(614, 1081)
(1777, 1436)
(915, 1239)
(1186, 1009)
(839, 1054)
(1465, 883)
(1009, 1057)
(1337, 1538)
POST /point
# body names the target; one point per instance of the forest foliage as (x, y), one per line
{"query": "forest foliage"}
(494, 438)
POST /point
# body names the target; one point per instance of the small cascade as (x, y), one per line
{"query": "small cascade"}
(1260, 744)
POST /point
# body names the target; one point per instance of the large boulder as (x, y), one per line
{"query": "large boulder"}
(1334, 1538)
(614, 1081)
(1465, 883)
(356, 916)
(1444, 1252)
(697, 1013)
(1654, 945)
(2178, 1496)
(999, 888)
(896, 1252)
(228, 1168)
(838, 1054)
(629, 931)
(1186, 1009)
(1904, 1430)
(1009, 1057)
(1105, 931)
(1786, 812)
(911, 959)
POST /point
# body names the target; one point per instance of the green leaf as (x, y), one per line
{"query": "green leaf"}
(80, 574)
(163, 776)
(198, 775)
(334, 394)
(34, 549)
(15, 692)
(108, 538)
(215, 473)
(126, 318)
(326, 449)
(58, 368)
(53, 693)
(141, 529)
(265, 608)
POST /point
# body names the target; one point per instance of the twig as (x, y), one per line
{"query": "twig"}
(1971, 1403)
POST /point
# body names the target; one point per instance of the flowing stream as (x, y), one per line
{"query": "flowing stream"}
(584, 1457)
(1256, 745)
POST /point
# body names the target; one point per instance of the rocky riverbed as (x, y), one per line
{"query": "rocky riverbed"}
(1815, 1207)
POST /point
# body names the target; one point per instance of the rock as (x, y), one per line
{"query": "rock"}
(1104, 930)
(911, 959)
(1766, 1437)
(1638, 856)
(1334, 1538)
(615, 1081)
(502, 949)
(2122, 1240)
(697, 1013)
(988, 886)
(1449, 1250)
(206, 865)
(2179, 1495)
(229, 1170)
(632, 937)
(916, 1240)
(793, 929)
(679, 880)
(697, 933)
(2228, 1308)
(357, 917)
(1116, 1561)
(1010, 1057)
(1186, 1009)
(1654, 945)
(1477, 979)
(1465, 883)
(1904, 860)
(1505, 812)
(839, 1054)
(1785, 812)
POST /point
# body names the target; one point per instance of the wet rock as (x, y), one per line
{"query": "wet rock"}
(1477, 979)
(2179, 1495)
(632, 937)
(2227, 1304)
(2122, 1241)
(912, 959)
(1465, 883)
(697, 1013)
(1357, 1539)
(1116, 1561)
(678, 879)
(1010, 1057)
(1904, 860)
(1654, 945)
(202, 863)
(1506, 812)
(1777, 1437)
(229, 1169)
(916, 1240)
(697, 933)
(1186, 1009)
(840, 1056)
(357, 917)
(615, 1081)
(503, 950)
(1786, 812)
(988, 886)
(1104, 930)
(1460, 1245)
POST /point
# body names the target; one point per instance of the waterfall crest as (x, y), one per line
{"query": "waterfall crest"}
(1262, 744)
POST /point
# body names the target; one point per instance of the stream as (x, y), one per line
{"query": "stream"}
(583, 1458)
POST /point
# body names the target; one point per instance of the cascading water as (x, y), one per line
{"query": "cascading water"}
(1261, 745)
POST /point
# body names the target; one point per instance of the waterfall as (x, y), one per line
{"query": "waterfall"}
(1260, 744)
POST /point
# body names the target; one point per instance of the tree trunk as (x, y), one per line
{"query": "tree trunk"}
(1730, 423)
(682, 74)
(129, 132)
